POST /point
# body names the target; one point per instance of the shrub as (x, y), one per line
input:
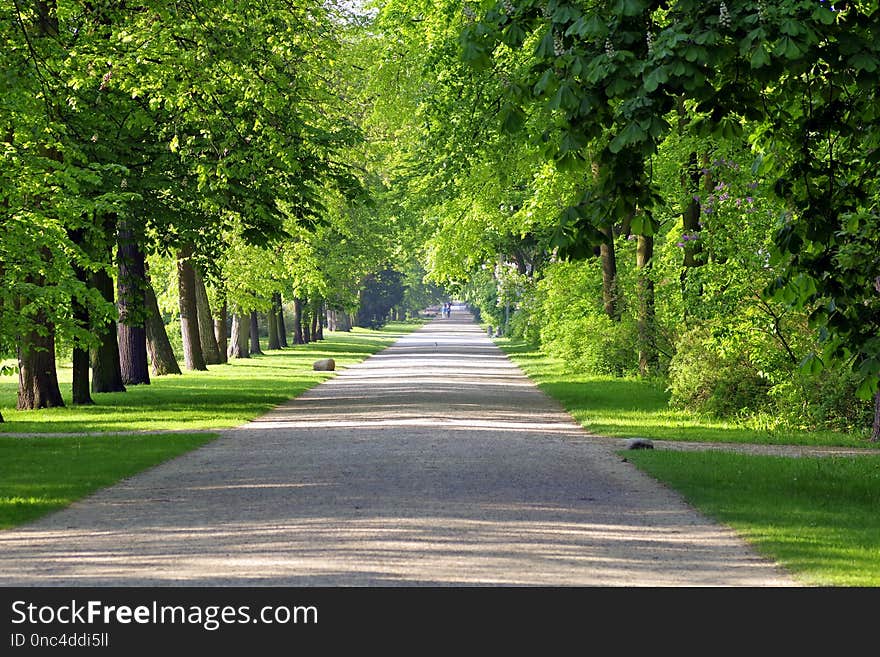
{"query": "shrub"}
(593, 344)
(826, 400)
(710, 376)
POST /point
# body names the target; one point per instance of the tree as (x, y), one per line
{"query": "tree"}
(131, 294)
(189, 322)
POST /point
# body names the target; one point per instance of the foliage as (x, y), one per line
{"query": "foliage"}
(380, 293)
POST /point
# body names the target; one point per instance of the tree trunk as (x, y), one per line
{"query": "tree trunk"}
(238, 342)
(646, 323)
(220, 332)
(316, 321)
(193, 357)
(609, 274)
(80, 388)
(131, 330)
(161, 353)
(272, 324)
(81, 365)
(255, 333)
(37, 376)
(282, 329)
(343, 321)
(106, 370)
(210, 348)
(298, 337)
(306, 323)
(875, 432)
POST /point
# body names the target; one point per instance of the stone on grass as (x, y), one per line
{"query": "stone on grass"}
(639, 443)
(324, 365)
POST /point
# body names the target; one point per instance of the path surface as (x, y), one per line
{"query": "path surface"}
(435, 462)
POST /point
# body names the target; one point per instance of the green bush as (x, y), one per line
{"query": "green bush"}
(717, 377)
(826, 400)
(593, 344)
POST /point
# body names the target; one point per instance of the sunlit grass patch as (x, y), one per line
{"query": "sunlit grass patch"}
(816, 516)
(621, 407)
(39, 475)
(225, 396)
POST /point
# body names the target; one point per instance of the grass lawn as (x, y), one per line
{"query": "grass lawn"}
(224, 396)
(39, 474)
(816, 516)
(635, 408)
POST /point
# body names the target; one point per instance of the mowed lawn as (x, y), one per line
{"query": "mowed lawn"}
(818, 517)
(224, 396)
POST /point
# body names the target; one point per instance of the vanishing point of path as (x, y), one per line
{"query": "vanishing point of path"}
(435, 462)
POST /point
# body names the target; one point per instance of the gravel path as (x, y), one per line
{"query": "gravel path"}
(435, 462)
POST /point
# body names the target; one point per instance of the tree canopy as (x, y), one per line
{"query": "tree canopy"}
(636, 186)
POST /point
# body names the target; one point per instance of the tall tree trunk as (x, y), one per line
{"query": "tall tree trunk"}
(298, 337)
(80, 386)
(609, 274)
(306, 314)
(255, 333)
(343, 321)
(210, 348)
(238, 342)
(37, 376)
(646, 321)
(193, 358)
(282, 329)
(220, 331)
(315, 312)
(875, 432)
(272, 325)
(691, 176)
(161, 353)
(106, 370)
(131, 329)
(319, 312)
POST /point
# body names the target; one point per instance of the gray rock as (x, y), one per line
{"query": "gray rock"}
(324, 365)
(639, 443)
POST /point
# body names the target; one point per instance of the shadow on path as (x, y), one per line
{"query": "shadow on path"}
(434, 462)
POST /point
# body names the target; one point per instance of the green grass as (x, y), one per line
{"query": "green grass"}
(636, 408)
(224, 396)
(816, 516)
(40, 474)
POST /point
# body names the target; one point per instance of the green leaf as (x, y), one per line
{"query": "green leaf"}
(868, 388)
(760, 57)
(544, 82)
(513, 118)
(864, 62)
(631, 134)
(655, 78)
(824, 15)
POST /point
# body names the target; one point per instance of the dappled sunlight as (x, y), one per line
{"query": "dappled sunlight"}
(521, 548)
(435, 462)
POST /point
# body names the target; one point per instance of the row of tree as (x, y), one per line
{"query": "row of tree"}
(650, 187)
(186, 161)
